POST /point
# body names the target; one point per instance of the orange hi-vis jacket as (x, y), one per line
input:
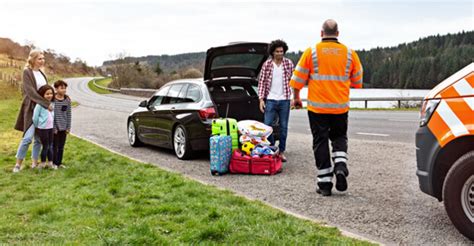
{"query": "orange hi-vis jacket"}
(329, 69)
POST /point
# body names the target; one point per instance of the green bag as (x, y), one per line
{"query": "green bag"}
(226, 127)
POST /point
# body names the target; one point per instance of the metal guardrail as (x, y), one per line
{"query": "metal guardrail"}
(356, 99)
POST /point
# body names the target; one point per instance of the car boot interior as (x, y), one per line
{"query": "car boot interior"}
(236, 99)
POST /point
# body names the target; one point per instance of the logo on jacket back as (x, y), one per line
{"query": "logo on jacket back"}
(331, 51)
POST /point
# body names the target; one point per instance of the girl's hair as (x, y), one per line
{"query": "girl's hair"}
(32, 58)
(43, 89)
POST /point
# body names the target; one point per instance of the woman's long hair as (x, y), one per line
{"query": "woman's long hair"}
(32, 58)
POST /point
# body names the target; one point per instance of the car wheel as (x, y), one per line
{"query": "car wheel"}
(181, 145)
(458, 194)
(133, 135)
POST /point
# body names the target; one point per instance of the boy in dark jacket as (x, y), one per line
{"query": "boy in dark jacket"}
(62, 122)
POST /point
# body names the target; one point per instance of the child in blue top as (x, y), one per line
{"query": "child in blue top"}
(43, 119)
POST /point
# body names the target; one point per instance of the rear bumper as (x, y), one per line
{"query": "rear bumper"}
(427, 149)
(200, 136)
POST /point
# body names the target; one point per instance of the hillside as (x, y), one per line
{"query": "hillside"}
(416, 65)
(13, 58)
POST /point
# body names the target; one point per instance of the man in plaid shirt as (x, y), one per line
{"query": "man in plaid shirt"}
(274, 90)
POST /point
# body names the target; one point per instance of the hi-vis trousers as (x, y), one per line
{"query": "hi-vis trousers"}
(325, 127)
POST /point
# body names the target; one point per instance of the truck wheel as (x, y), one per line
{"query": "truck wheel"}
(458, 194)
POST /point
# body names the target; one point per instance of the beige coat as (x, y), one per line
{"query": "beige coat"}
(31, 97)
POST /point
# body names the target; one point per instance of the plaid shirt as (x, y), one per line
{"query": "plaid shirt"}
(266, 74)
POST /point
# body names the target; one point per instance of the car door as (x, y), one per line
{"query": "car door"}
(164, 116)
(147, 123)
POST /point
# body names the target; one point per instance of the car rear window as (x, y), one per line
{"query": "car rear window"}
(239, 60)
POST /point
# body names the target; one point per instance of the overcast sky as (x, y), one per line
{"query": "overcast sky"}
(99, 30)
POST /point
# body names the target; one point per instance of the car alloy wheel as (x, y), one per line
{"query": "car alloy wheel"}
(179, 142)
(131, 133)
(467, 198)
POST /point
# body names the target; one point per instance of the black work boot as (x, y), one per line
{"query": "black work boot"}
(324, 189)
(341, 172)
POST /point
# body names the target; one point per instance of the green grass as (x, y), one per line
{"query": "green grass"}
(102, 82)
(104, 198)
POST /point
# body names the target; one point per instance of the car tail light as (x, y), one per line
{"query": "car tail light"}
(207, 113)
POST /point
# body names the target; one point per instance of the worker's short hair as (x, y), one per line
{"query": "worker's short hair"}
(277, 44)
(330, 30)
(60, 83)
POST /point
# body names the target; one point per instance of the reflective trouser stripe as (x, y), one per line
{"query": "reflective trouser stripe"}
(339, 154)
(324, 179)
(336, 160)
(325, 171)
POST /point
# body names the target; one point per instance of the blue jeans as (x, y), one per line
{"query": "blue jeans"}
(25, 143)
(282, 109)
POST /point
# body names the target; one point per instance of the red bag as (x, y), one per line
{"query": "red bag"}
(266, 165)
(239, 162)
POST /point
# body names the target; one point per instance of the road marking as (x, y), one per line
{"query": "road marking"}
(373, 134)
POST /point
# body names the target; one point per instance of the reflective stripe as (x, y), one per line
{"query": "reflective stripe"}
(325, 171)
(357, 82)
(298, 79)
(329, 77)
(453, 122)
(328, 105)
(325, 180)
(302, 69)
(356, 75)
(336, 160)
(314, 56)
(349, 61)
(339, 154)
(463, 88)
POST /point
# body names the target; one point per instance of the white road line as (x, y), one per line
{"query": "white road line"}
(373, 134)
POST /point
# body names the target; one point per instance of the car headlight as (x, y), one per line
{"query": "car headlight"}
(427, 110)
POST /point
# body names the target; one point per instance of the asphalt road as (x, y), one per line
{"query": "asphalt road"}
(383, 202)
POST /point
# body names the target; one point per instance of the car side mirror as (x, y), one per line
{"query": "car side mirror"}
(143, 104)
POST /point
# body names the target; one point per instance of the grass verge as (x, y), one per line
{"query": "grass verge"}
(103, 198)
(102, 82)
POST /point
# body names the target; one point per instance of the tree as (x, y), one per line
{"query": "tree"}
(158, 69)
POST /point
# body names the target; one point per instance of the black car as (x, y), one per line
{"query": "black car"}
(179, 115)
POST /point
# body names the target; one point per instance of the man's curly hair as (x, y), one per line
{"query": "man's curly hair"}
(276, 44)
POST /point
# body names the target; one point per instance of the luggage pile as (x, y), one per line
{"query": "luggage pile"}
(255, 155)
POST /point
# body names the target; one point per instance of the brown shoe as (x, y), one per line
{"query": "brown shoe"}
(283, 157)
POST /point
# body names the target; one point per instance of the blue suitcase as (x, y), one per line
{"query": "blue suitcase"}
(220, 153)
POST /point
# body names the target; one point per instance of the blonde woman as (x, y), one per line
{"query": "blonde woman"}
(33, 79)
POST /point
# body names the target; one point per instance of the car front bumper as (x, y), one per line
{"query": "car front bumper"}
(427, 149)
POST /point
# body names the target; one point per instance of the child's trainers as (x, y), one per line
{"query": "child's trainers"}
(33, 165)
(55, 167)
(16, 168)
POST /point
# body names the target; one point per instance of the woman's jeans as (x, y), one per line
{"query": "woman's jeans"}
(282, 109)
(28, 137)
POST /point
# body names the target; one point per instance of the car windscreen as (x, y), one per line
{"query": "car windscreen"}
(237, 60)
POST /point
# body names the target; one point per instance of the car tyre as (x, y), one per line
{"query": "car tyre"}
(458, 194)
(181, 145)
(133, 134)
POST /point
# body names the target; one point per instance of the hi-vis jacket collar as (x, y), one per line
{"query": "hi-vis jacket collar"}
(330, 40)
